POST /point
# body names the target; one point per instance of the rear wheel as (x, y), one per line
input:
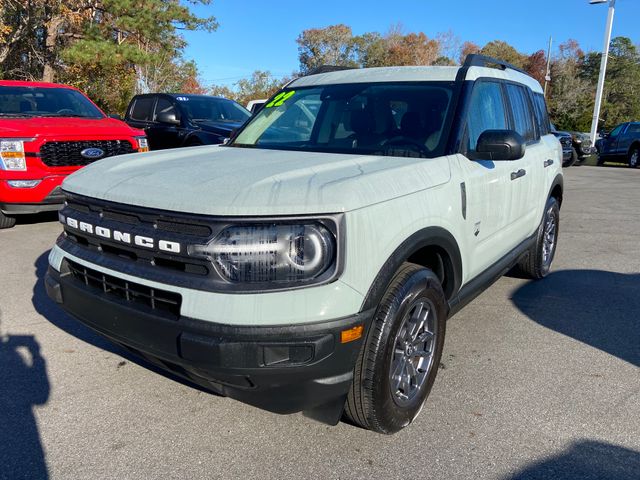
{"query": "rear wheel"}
(634, 157)
(6, 221)
(399, 360)
(537, 263)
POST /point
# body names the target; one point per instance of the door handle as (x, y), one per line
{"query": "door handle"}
(520, 173)
(548, 163)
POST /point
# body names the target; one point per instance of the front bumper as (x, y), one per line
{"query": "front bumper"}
(46, 196)
(282, 369)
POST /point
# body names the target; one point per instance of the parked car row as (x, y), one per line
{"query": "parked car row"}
(576, 146)
(48, 131)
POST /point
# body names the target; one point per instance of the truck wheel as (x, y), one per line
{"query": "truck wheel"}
(634, 157)
(538, 261)
(572, 160)
(6, 222)
(399, 360)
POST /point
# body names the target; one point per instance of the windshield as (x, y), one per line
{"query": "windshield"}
(45, 102)
(213, 109)
(400, 119)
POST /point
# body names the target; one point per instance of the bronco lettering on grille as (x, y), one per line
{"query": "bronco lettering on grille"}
(123, 237)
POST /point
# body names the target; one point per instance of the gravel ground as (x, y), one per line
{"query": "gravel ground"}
(538, 380)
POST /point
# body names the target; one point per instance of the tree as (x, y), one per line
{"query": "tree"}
(536, 66)
(503, 51)
(261, 84)
(621, 97)
(413, 49)
(333, 45)
(468, 48)
(103, 45)
(449, 48)
(571, 94)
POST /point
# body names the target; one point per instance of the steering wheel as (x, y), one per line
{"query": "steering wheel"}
(405, 142)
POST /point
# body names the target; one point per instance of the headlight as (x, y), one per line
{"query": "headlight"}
(272, 253)
(143, 145)
(12, 154)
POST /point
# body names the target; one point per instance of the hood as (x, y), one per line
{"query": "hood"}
(67, 126)
(220, 128)
(218, 180)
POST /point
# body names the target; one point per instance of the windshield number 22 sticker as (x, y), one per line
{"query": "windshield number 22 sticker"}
(280, 99)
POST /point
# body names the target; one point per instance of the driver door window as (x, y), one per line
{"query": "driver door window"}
(486, 112)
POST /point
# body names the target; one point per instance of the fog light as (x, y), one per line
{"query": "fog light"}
(23, 183)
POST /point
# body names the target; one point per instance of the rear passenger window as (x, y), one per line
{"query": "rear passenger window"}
(542, 117)
(486, 111)
(521, 109)
(633, 128)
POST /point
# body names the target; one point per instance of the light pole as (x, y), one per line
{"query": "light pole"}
(603, 66)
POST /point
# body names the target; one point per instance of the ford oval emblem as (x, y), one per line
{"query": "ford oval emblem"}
(92, 153)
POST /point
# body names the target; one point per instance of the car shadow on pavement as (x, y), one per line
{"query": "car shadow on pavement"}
(599, 308)
(585, 460)
(55, 315)
(24, 383)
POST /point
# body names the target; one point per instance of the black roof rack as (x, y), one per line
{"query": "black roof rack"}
(477, 60)
(328, 69)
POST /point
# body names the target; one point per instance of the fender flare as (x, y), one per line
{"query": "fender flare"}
(426, 237)
(558, 181)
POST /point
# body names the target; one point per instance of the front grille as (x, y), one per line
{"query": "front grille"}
(67, 154)
(137, 295)
(565, 141)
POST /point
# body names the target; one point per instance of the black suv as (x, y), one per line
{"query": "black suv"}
(173, 120)
(621, 145)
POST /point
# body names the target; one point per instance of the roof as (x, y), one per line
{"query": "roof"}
(412, 74)
(22, 83)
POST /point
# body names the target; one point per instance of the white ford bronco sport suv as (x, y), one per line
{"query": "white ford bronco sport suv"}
(311, 263)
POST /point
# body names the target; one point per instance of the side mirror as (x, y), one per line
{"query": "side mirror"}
(115, 115)
(500, 145)
(168, 118)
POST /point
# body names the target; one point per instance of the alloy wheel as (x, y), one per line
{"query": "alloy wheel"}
(413, 351)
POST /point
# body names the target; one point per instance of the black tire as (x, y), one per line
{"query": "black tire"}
(371, 403)
(537, 263)
(634, 157)
(6, 221)
(572, 160)
(600, 161)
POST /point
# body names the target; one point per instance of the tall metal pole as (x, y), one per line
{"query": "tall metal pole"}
(603, 70)
(547, 74)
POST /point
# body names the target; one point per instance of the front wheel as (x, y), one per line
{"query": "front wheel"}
(399, 360)
(6, 221)
(634, 157)
(572, 160)
(537, 263)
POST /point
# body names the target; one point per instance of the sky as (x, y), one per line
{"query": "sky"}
(261, 35)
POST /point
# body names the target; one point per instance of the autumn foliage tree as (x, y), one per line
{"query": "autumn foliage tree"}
(111, 48)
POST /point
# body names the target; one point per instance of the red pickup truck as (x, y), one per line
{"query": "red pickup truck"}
(48, 131)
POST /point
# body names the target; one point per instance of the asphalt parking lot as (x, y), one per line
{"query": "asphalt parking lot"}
(539, 380)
